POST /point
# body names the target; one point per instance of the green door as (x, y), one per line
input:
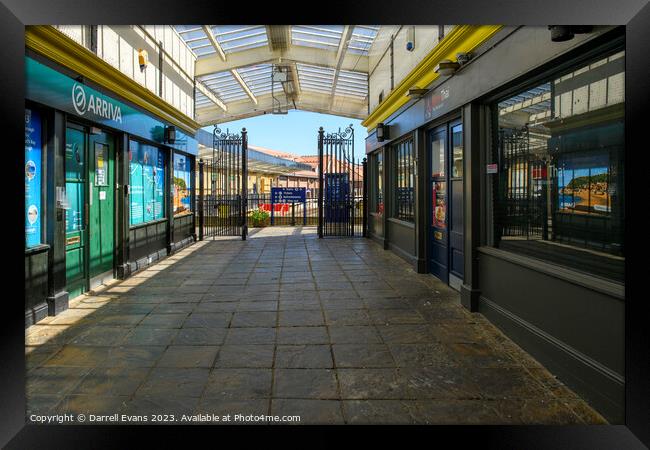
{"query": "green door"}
(76, 229)
(90, 189)
(101, 180)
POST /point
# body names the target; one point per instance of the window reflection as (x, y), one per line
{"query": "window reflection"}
(404, 181)
(457, 151)
(560, 181)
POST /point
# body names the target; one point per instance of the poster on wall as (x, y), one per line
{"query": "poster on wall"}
(182, 184)
(32, 178)
(136, 188)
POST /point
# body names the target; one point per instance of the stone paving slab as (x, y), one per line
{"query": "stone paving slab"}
(331, 330)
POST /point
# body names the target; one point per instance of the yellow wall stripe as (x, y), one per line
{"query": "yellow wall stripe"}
(462, 38)
(56, 46)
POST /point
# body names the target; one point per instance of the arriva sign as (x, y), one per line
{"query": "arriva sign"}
(94, 104)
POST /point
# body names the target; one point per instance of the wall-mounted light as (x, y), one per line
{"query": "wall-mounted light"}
(382, 132)
(170, 134)
(446, 67)
(561, 33)
(143, 59)
(415, 93)
(463, 58)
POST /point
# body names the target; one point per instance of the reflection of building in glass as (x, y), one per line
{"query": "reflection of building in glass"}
(561, 150)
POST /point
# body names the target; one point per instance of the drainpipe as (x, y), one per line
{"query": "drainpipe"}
(392, 63)
(160, 69)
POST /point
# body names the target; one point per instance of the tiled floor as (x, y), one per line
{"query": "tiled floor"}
(333, 330)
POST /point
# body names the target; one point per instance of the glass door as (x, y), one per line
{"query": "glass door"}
(439, 250)
(446, 211)
(456, 240)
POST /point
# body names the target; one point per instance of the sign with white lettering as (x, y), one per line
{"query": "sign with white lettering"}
(434, 101)
(288, 194)
(52, 88)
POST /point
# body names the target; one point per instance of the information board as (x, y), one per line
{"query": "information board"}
(288, 194)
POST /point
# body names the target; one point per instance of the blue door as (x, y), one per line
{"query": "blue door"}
(446, 209)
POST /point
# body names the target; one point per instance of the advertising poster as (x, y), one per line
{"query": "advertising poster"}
(32, 178)
(136, 188)
(182, 184)
(159, 184)
(74, 214)
(583, 184)
(439, 205)
(148, 182)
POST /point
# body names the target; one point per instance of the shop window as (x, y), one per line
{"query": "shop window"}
(182, 184)
(379, 195)
(376, 183)
(559, 189)
(147, 183)
(404, 181)
(33, 178)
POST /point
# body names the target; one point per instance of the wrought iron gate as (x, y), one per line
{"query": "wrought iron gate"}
(222, 196)
(341, 193)
(523, 211)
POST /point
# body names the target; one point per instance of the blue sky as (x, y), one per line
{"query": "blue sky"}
(295, 132)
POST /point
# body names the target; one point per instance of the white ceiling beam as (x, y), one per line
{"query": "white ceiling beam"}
(244, 86)
(309, 101)
(296, 53)
(210, 95)
(294, 80)
(340, 52)
(213, 40)
(279, 37)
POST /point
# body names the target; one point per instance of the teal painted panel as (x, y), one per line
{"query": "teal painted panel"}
(50, 87)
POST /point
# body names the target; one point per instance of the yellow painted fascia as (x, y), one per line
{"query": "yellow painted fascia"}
(56, 46)
(461, 39)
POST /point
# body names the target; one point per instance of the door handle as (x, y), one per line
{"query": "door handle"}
(87, 219)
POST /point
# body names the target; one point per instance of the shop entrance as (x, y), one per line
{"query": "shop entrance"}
(90, 216)
(446, 226)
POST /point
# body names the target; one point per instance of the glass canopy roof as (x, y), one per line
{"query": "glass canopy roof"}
(328, 66)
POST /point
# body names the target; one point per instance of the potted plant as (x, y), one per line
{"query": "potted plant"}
(259, 218)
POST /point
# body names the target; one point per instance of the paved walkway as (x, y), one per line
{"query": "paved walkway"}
(333, 330)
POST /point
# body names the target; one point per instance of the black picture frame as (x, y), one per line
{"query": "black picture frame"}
(634, 14)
